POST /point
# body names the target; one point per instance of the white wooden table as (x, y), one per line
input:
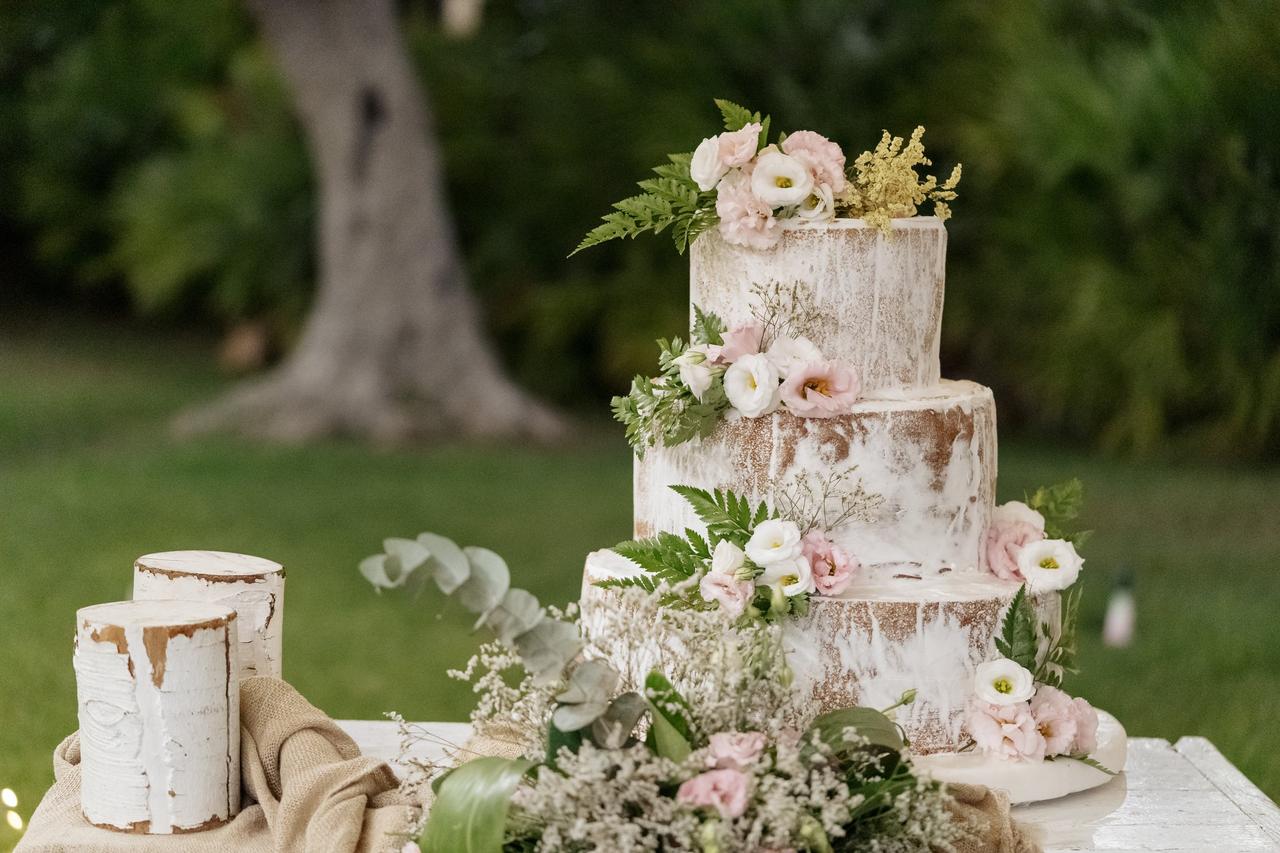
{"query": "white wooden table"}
(1173, 798)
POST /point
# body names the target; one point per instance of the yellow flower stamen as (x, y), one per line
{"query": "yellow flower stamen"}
(788, 580)
(1049, 563)
(782, 181)
(1003, 685)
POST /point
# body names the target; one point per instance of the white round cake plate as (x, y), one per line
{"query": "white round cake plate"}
(1032, 781)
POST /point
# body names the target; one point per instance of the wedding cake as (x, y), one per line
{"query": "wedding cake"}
(811, 384)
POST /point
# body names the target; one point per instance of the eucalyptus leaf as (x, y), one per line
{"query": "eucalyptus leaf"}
(519, 611)
(449, 566)
(409, 552)
(614, 727)
(469, 812)
(547, 648)
(591, 681)
(489, 581)
(572, 718)
(868, 722)
(375, 571)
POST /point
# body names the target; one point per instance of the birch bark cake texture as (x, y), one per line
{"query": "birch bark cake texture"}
(159, 707)
(252, 586)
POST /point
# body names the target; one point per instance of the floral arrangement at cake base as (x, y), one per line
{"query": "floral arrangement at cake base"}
(709, 767)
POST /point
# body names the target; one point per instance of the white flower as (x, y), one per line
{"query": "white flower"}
(794, 575)
(727, 559)
(707, 168)
(820, 205)
(774, 541)
(751, 384)
(1049, 564)
(696, 369)
(1016, 511)
(780, 180)
(790, 353)
(1003, 682)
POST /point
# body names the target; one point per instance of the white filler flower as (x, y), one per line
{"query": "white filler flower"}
(774, 541)
(1049, 564)
(780, 180)
(706, 168)
(751, 384)
(794, 576)
(1003, 682)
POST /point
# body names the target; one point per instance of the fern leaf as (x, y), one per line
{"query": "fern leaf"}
(735, 116)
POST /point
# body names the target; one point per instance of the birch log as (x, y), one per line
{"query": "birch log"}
(159, 706)
(252, 586)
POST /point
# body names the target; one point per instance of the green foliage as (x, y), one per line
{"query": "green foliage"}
(726, 515)
(1017, 640)
(1060, 505)
(1059, 656)
(469, 811)
(708, 328)
(671, 734)
(870, 724)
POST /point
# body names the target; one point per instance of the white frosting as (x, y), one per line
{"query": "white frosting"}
(929, 454)
(1032, 781)
(876, 298)
(252, 586)
(159, 721)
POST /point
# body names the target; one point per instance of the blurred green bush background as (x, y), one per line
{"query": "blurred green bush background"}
(1114, 267)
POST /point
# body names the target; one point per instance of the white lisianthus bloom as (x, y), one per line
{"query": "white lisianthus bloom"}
(819, 206)
(752, 385)
(707, 168)
(1003, 682)
(793, 576)
(790, 353)
(774, 541)
(1016, 511)
(780, 180)
(1049, 564)
(727, 558)
(696, 369)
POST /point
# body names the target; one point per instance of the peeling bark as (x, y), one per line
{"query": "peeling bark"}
(393, 348)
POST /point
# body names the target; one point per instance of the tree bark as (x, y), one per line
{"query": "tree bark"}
(393, 348)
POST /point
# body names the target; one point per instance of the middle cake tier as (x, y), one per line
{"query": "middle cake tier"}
(914, 470)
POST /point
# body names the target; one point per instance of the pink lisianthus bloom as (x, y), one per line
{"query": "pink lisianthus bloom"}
(1013, 525)
(820, 155)
(735, 750)
(1055, 719)
(732, 594)
(832, 567)
(821, 389)
(744, 219)
(1086, 727)
(724, 790)
(1008, 731)
(737, 147)
(743, 340)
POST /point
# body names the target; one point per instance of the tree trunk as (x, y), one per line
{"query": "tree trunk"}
(393, 348)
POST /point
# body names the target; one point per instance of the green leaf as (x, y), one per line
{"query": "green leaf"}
(670, 731)
(869, 723)
(489, 581)
(448, 565)
(576, 717)
(614, 727)
(591, 681)
(547, 648)
(1017, 640)
(469, 812)
(1060, 504)
(382, 571)
(735, 117)
(558, 740)
(409, 552)
(518, 612)
(725, 514)
(708, 328)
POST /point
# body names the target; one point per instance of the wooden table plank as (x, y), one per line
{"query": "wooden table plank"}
(1183, 799)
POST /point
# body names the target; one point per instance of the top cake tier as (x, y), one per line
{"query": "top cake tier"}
(870, 299)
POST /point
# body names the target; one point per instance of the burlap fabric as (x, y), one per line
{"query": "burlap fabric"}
(989, 828)
(308, 790)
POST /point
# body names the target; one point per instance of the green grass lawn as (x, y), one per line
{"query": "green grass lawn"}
(89, 480)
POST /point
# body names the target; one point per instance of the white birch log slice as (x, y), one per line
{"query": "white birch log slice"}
(871, 299)
(252, 586)
(159, 708)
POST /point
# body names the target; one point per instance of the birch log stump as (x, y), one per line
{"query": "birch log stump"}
(159, 706)
(252, 586)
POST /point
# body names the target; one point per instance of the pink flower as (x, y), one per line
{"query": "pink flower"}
(832, 567)
(1086, 727)
(822, 157)
(744, 219)
(744, 340)
(737, 147)
(1013, 525)
(732, 594)
(724, 790)
(821, 389)
(1055, 719)
(736, 750)
(1008, 731)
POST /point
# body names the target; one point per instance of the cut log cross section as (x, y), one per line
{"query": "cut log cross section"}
(252, 586)
(159, 707)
